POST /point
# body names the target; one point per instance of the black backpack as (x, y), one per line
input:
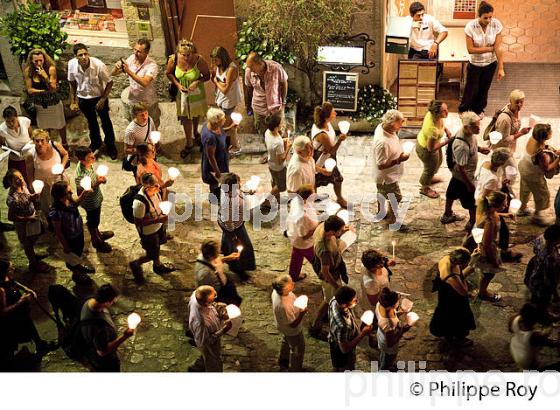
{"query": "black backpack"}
(127, 199)
(449, 153)
(72, 341)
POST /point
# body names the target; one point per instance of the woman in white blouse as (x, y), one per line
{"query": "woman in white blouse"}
(484, 40)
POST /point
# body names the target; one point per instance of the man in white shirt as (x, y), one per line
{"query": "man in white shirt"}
(142, 71)
(90, 86)
(288, 319)
(388, 164)
(302, 168)
(207, 327)
(15, 133)
(150, 223)
(423, 43)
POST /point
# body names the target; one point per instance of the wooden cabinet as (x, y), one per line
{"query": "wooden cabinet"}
(416, 88)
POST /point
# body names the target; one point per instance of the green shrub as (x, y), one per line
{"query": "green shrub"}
(373, 102)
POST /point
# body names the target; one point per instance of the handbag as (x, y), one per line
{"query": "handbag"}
(171, 87)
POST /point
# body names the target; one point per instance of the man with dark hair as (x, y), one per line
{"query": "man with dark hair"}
(90, 86)
(344, 334)
(423, 41)
(93, 201)
(141, 70)
(99, 331)
(328, 264)
(15, 133)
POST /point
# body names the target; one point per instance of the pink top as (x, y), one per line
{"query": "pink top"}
(152, 167)
(137, 92)
(267, 99)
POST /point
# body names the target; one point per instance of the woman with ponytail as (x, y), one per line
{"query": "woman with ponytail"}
(325, 146)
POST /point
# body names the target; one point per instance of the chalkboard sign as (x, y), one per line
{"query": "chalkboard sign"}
(341, 90)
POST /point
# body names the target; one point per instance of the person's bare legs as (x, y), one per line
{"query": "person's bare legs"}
(62, 133)
(338, 192)
(195, 128)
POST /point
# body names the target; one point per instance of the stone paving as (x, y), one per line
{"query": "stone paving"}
(160, 343)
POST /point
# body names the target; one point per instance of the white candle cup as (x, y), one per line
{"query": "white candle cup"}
(253, 183)
(534, 120)
(412, 318)
(86, 183)
(38, 186)
(344, 127)
(301, 302)
(133, 320)
(239, 248)
(477, 234)
(511, 172)
(367, 317)
(233, 311)
(57, 169)
(165, 207)
(515, 205)
(155, 137)
(394, 243)
(408, 147)
(236, 118)
(330, 163)
(406, 305)
(102, 170)
(495, 137)
(332, 208)
(173, 173)
(344, 215)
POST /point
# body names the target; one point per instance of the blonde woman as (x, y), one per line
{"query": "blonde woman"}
(188, 71)
(41, 84)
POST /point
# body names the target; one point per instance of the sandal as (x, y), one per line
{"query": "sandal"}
(185, 152)
(495, 298)
(430, 193)
(447, 219)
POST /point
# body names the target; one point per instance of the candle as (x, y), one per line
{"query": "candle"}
(344, 127)
(133, 320)
(332, 208)
(406, 305)
(367, 317)
(173, 173)
(236, 118)
(514, 205)
(239, 248)
(38, 186)
(57, 169)
(301, 302)
(477, 234)
(412, 318)
(86, 183)
(289, 132)
(394, 243)
(511, 172)
(165, 207)
(408, 147)
(330, 164)
(534, 120)
(155, 136)
(253, 183)
(233, 311)
(102, 170)
(345, 216)
(495, 137)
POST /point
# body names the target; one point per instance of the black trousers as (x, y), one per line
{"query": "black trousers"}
(87, 106)
(479, 80)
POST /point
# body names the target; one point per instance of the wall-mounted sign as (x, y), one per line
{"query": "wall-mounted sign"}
(340, 55)
(144, 29)
(341, 90)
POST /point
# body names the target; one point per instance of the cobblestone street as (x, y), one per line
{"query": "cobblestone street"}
(160, 343)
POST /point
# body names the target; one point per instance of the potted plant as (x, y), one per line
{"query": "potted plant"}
(373, 102)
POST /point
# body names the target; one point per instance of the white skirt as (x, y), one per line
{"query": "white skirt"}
(51, 117)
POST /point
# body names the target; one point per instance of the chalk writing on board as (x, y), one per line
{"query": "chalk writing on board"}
(341, 90)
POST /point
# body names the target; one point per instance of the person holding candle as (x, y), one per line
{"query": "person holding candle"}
(137, 132)
(288, 320)
(302, 222)
(93, 201)
(215, 158)
(429, 143)
(69, 228)
(453, 318)
(484, 41)
(389, 158)
(147, 163)
(151, 225)
(539, 162)
(278, 152)
(375, 277)
(209, 270)
(302, 169)
(231, 221)
(99, 332)
(326, 145)
(328, 264)
(15, 133)
(40, 159)
(21, 211)
(390, 329)
(207, 327)
(463, 160)
(224, 74)
(344, 333)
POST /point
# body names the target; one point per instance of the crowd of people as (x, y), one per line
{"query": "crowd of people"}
(297, 166)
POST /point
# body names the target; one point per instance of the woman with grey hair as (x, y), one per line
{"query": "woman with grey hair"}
(215, 158)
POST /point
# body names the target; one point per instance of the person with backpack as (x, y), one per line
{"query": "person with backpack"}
(150, 223)
(462, 159)
(99, 332)
(136, 132)
(40, 159)
(541, 274)
(453, 318)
